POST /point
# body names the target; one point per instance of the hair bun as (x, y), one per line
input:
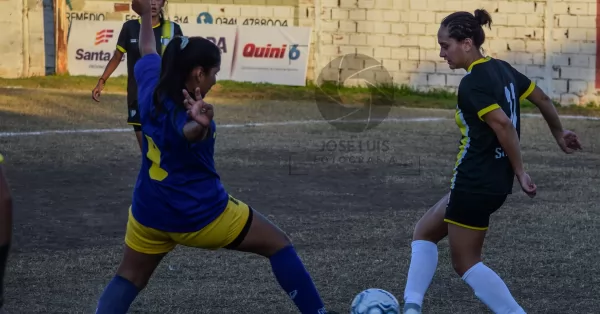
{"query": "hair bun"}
(483, 17)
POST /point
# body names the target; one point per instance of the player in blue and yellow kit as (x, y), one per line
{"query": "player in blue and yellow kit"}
(5, 227)
(488, 116)
(178, 197)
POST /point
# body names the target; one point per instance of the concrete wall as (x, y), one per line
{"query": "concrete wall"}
(553, 42)
(22, 52)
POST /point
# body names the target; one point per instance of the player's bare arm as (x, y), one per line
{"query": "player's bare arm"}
(508, 138)
(147, 40)
(566, 139)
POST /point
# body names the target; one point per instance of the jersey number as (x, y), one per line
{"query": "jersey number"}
(512, 101)
(156, 172)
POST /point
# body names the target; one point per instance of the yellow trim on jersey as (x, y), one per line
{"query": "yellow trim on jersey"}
(218, 234)
(1, 158)
(121, 49)
(487, 109)
(478, 61)
(464, 142)
(153, 26)
(465, 226)
(528, 91)
(166, 34)
(134, 123)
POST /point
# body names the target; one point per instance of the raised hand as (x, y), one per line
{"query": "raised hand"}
(141, 7)
(197, 109)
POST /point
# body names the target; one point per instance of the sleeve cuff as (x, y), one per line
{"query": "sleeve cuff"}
(487, 109)
(121, 49)
(528, 91)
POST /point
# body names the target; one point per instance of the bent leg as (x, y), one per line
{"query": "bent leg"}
(424, 256)
(138, 135)
(266, 239)
(5, 228)
(468, 223)
(144, 250)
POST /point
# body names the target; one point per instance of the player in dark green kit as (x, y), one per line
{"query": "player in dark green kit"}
(128, 43)
(488, 116)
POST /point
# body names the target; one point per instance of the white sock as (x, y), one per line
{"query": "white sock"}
(491, 290)
(423, 263)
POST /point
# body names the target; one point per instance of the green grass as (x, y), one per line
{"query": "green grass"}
(401, 95)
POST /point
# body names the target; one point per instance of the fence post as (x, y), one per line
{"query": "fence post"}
(60, 35)
(316, 48)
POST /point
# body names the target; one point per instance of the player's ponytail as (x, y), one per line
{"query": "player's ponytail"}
(483, 18)
(182, 55)
(170, 82)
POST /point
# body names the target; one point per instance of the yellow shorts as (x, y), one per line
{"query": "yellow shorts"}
(227, 230)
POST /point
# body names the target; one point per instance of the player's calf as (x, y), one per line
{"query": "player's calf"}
(268, 240)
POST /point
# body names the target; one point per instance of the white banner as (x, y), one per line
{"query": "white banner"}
(221, 35)
(276, 55)
(258, 54)
(91, 45)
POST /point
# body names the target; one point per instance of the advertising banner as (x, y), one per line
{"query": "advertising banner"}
(91, 45)
(221, 35)
(257, 54)
(277, 55)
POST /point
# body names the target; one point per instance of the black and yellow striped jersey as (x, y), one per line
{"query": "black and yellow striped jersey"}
(481, 165)
(128, 43)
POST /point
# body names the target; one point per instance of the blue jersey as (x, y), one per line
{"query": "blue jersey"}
(178, 188)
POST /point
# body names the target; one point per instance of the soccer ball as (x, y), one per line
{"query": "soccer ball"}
(375, 301)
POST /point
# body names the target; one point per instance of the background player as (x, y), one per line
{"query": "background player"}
(178, 197)
(488, 115)
(128, 43)
(5, 228)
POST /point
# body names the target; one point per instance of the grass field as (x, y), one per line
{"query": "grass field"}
(350, 221)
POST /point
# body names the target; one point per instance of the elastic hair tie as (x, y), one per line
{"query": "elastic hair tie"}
(184, 41)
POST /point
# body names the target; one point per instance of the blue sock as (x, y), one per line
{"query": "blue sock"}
(117, 296)
(295, 280)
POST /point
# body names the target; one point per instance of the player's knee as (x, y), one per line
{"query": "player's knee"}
(277, 244)
(461, 263)
(136, 277)
(6, 203)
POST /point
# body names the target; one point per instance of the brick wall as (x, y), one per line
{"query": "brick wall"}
(402, 35)
(553, 42)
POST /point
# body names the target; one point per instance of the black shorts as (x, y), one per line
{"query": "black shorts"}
(472, 210)
(133, 115)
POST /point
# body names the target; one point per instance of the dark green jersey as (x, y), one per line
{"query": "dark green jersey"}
(128, 43)
(481, 165)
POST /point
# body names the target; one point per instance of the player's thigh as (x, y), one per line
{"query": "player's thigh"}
(227, 230)
(5, 208)
(472, 210)
(147, 240)
(145, 248)
(239, 228)
(431, 227)
(263, 237)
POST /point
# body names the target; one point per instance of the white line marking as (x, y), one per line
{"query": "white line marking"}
(281, 123)
(242, 125)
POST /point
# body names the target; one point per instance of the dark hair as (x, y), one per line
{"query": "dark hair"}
(178, 63)
(462, 25)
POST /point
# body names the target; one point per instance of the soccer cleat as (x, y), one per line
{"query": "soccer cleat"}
(412, 308)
